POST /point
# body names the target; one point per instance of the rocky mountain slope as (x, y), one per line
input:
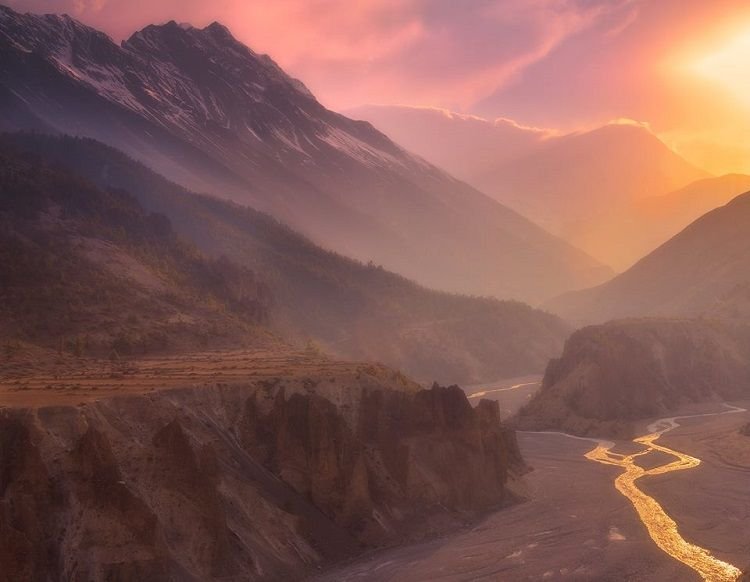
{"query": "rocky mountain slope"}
(611, 375)
(209, 113)
(355, 310)
(705, 269)
(586, 187)
(256, 480)
(90, 271)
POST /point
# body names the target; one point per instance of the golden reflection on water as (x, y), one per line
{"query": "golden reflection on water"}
(662, 528)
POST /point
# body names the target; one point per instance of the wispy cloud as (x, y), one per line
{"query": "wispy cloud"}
(558, 63)
(81, 7)
(441, 51)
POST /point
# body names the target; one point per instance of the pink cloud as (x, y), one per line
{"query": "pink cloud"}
(443, 52)
(550, 63)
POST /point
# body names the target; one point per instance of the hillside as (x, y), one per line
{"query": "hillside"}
(354, 310)
(611, 375)
(593, 188)
(702, 269)
(91, 272)
(209, 113)
(629, 232)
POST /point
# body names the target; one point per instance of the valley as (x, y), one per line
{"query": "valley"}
(510, 394)
(582, 528)
(563, 528)
(661, 527)
(493, 326)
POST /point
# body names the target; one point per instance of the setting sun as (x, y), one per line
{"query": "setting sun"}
(728, 66)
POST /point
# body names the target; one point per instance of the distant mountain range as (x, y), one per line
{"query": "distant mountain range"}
(704, 270)
(591, 188)
(467, 146)
(629, 232)
(673, 329)
(207, 112)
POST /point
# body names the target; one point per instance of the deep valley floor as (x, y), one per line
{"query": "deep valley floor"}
(576, 526)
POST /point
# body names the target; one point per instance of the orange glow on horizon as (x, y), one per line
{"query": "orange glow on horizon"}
(709, 80)
(729, 67)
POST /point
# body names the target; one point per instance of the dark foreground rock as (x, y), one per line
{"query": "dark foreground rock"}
(242, 482)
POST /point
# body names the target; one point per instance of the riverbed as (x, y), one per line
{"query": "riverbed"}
(576, 524)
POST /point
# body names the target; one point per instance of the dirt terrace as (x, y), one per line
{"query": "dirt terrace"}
(47, 379)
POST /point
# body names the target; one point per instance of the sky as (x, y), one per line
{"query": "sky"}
(681, 66)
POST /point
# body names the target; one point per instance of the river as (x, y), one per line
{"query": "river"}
(578, 525)
(661, 527)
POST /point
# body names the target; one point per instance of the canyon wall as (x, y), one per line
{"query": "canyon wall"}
(243, 482)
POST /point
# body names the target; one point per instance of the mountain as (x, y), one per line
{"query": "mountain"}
(576, 185)
(354, 310)
(152, 427)
(694, 200)
(632, 230)
(695, 347)
(467, 146)
(90, 271)
(212, 115)
(705, 269)
(579, 176)
(611, 375)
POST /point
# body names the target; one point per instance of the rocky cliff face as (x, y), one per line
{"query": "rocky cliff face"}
(613, 374)
(242, 482)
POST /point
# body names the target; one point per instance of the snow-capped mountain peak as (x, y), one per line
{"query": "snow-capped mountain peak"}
(201, 107)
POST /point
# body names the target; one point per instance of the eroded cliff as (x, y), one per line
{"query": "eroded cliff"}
(259, 480)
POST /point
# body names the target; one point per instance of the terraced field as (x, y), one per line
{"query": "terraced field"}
(36, 379)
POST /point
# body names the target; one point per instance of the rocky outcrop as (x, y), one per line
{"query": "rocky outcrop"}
(614, 374)
(242, 482)
(31, 503)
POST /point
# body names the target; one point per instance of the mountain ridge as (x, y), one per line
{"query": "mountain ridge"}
(91, 271)
(693, 273)
(212, 115)
(574, 184)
